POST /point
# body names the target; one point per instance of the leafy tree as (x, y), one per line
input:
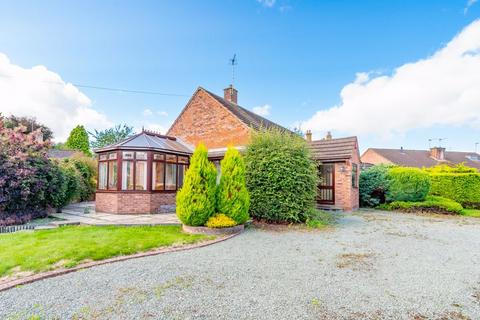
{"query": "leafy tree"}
(281, 177)
(233, 199)
(78, 140)
(196, 199)
(30, 125)
(110, 136)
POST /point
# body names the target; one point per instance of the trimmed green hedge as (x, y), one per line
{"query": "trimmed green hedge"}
(373, 185)
(281, 177)
(432, 204)
(407, 184)
(461, 187)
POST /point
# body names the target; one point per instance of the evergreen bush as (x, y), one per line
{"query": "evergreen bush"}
(232, 195)
(374, 185)
(78, 140)
(281, 176)
(196, 199)
(407, 184)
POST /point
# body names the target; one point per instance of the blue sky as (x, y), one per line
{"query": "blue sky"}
(295, 56)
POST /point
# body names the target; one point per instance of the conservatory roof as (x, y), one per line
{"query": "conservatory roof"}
(148, 140)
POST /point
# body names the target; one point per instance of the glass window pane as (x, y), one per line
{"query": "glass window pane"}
(170, 176)
(112, 175)
(182, 159)
(141, 175)
(158, 156)
(102, 157)
(102, 176)
(112, 156)
(141, 155)
(127, 155)
(127, 175)
(157, 175)
(171, 158)
(181, 174)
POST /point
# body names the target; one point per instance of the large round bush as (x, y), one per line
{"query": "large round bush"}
(196, 199)
(374, 185)
(407, 184)
(281, 177)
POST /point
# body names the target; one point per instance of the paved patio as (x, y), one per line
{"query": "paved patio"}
(84, 213)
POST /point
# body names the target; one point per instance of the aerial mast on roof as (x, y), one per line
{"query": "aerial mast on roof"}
(233, 63)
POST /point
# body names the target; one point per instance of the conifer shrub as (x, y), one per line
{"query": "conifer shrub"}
(281, 177)
(374, 185)
(233, 198)
(196, 199)
(78, 140)
(407, 184)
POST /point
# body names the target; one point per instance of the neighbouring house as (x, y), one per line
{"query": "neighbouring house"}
(60, 154)
(420, 158)
(143, 173)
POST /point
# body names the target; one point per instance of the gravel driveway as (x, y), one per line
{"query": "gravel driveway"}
(372, 265)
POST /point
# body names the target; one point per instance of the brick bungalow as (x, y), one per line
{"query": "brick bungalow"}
(419, 158)
(217, 122)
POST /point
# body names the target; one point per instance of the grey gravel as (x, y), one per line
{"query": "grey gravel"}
(373, 265)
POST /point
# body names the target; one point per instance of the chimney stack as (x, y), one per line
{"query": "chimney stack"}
(230, 94)
(329, 136)
(308, 136)
(438, 153)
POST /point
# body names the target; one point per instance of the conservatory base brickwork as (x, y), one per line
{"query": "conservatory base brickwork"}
(133, 203)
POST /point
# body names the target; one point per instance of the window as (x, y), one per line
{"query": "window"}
(128, 155)
(170, 176)
(102, 175)
(354, 175)
(127, 175)
(181, 174)
(102, 157)
(141, 175)
(112, 156)
(141, 155)
(171, 158)
(158, 175)
(112, 175)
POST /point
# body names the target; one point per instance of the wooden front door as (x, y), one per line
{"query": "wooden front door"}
(326, 188)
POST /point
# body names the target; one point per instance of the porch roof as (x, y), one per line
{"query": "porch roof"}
(334, 149)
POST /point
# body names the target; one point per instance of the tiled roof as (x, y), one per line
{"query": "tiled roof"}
(246, 116)
(334, 149)
(151, 141)
(60, 154)
(422, 158)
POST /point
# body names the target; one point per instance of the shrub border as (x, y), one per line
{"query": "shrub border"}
(59, 272)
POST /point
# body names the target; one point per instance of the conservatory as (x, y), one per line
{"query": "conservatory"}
(141, 174)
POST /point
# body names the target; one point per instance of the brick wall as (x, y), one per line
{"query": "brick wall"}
(132, 203)
(370, 156)
(205, 120)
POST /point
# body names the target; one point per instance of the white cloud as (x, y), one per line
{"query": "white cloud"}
(443, 89)
(162, 113)
(147, 112)
(262, 110)
(468, 5)
(41, 93)
(267, 3)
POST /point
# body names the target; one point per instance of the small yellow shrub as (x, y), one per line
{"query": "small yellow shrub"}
(220, 221)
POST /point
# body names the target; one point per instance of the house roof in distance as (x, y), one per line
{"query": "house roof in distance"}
(149, 140)
(60, 154)
(246, 116)
(422, 158)
(334, 149)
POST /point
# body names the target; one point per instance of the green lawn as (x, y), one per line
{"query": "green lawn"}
(68, 246)
(471, 213)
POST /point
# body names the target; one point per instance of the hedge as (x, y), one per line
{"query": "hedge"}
(281, 177)
(407, 184)
(431, 204)
(374, 185)
(461, 187)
